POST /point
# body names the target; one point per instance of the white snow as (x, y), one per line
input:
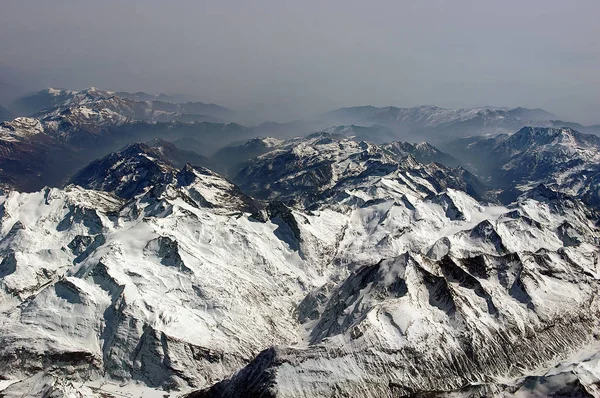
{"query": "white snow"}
(167, 291)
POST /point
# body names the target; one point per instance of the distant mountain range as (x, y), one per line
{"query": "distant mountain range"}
(68, 128)
(138, 106)
(232, 158)
(436, 124)
(176, 99)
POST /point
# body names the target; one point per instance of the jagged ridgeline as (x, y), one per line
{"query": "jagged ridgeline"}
(323, 267)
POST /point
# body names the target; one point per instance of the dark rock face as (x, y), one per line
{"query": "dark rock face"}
(126, 173)
(259, 377)
(8, 265)
(167, 251)
(83, 245)
(81, 215)
(231, 159)
(281, 211)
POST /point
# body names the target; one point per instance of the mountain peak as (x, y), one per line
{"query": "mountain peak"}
(542, 193)
(530, 138)
(21, 128)
(126, 173)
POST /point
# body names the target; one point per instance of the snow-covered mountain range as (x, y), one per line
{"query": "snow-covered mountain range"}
(232, 158)
(210, 260)
(335, 268)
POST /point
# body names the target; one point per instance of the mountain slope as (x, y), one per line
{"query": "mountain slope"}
(141, 167)
(188, 100)
(230, 159)
(423, 152)
(114, 288)
(30, 158)
(44, 99)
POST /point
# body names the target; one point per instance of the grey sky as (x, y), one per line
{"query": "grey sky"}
(309, 56)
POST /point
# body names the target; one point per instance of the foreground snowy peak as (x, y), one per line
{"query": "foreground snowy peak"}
(183, 284)
(151, 290)
(328, 168)
(472, 309)
(127, 173)
(207, 188)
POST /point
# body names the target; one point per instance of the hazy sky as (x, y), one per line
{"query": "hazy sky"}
(302, 57)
